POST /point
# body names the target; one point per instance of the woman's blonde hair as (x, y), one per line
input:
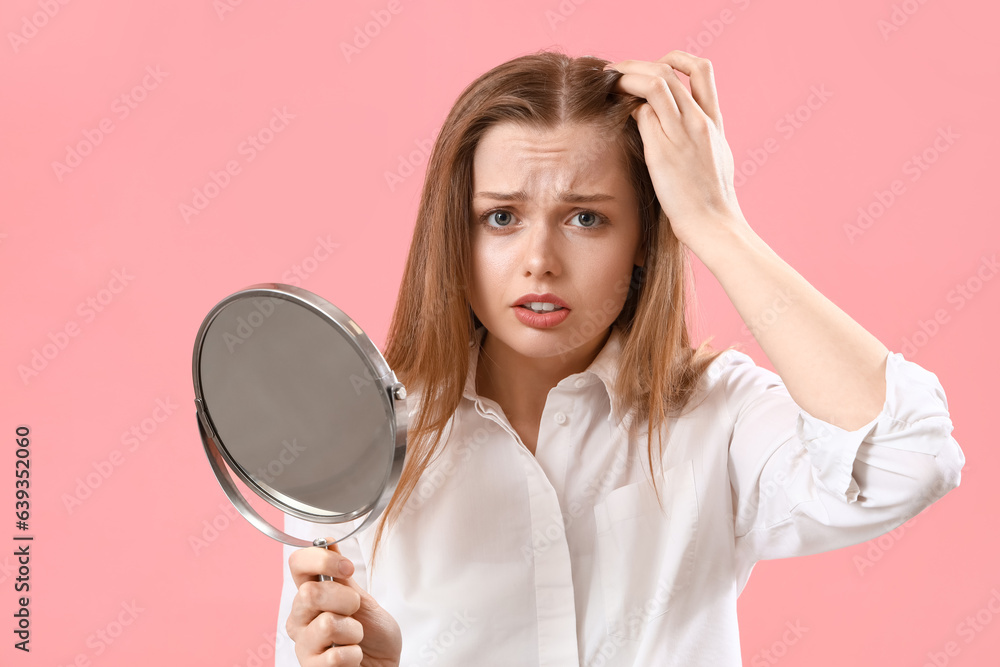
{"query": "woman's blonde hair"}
(432, 327)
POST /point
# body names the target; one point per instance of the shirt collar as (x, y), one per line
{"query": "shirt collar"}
(604, 368)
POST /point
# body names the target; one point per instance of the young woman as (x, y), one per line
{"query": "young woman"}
(541, 333)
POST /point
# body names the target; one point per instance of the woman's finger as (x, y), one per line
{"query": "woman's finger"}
(702, 76)
(649, 81)
(329, 629)
(305, 564)
(316, 597)
(313, 655)
(680, 96)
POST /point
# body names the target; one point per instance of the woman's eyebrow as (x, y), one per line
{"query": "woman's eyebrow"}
(521, 195)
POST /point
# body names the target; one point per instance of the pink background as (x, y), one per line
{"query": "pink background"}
(323, 175)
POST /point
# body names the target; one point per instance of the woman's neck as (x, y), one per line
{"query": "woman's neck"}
(520, 384)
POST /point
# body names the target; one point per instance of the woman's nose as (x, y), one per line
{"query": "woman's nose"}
(541, 254)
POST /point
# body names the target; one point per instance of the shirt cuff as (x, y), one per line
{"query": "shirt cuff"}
(913, 394)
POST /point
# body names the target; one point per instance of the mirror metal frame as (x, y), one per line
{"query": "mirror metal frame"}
(392, 391)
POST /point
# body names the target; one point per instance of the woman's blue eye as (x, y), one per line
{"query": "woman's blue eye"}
(491, 213)
(596, 219)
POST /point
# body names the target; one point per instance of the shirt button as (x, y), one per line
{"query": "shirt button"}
(579, 382)
(560, 418)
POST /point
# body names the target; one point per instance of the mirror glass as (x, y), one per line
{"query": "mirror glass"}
(299, 410)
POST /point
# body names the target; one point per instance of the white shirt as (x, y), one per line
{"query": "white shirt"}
(563, 558)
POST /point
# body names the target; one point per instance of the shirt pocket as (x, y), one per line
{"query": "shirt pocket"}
(646, 554)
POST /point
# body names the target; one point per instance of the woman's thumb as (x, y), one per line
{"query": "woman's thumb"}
(345, 567)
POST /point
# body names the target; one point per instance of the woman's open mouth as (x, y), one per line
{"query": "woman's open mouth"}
(540, 307)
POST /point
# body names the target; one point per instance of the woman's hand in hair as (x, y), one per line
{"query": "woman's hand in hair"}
(337, 622)
(689, 159)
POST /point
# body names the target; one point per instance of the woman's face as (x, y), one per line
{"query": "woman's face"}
(553, 212)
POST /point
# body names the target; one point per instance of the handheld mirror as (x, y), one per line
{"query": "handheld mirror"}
(295, 398)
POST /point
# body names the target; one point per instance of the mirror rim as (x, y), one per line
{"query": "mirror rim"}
(392, 392)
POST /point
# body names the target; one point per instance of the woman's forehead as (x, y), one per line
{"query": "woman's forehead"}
(570, 158)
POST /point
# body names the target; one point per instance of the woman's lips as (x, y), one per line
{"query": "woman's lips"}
(540, 320)
(547, 297)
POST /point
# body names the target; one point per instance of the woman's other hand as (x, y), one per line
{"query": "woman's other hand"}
(337, 622)
(689, 159)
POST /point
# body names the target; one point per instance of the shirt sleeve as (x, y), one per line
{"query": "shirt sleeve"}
(802, 486)
(284, 647)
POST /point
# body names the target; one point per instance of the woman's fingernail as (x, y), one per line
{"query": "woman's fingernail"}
(345, 567)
